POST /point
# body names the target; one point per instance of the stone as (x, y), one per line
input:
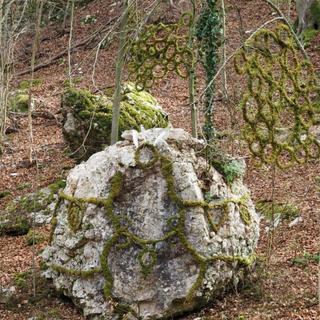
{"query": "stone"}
(134, 236)
(87, 118)
(295, 222)
(35, 208)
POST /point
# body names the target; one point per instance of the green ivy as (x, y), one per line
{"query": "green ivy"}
(209, 34)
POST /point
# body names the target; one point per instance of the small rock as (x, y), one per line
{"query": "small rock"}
(295, 222)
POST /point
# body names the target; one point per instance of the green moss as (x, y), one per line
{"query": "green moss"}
(306, 258)
(154, 158)
(148, 259)
(33, 237)
(26, 84)
(286, 211)
(309, 35)
(23, 186)
(269, 99)
(19, 101)
(56, 186)
(315, 13)
(95, 113)
(75, 273)
(15, 226)
(4, 194)
(75, 215)
(245, 214)
(230, 169)
(20, 279)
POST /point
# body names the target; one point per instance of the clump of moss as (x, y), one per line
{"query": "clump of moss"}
(287, 211)
(306, 258)
(15, 226)
(309, 35)
(19, 101)
(56, 186)
(26, 84)
(231, 169)
(33, 237)
(20, 279)
(92, 117)
(4, 194)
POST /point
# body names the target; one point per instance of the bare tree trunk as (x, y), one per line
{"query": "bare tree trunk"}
(119, 67)
(70, 43)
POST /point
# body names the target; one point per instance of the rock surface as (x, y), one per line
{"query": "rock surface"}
(34, 208)
(87, 118)
(147, 228)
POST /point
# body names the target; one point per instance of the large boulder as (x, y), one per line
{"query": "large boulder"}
(87, 118)
(148, 229)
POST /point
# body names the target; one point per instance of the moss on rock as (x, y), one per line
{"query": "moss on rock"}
(19, 101)
(88, 117)
(15, 226)
(17, 216)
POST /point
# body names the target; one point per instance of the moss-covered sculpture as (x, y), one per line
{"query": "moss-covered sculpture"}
(160, 49)
(88, 117)
(123, 238)
(279, 106)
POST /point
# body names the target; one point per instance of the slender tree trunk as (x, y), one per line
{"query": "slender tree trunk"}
(192, 80)
(33, 60)
(70, 43)
(119, 66)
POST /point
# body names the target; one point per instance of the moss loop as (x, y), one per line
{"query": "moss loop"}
(154, 158)
(278, 107)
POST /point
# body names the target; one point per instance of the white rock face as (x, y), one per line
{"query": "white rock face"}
(149, 231)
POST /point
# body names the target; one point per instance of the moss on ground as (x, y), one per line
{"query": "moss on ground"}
(287, 211)
(34, 237)
(4, 194)
(15, 226)
(19, 101)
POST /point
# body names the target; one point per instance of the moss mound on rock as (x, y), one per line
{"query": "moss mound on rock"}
(88, 117)
(19, 101)
(33, 208)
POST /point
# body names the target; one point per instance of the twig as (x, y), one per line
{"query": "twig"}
(65, 51)
(233, 54)
(278, 10)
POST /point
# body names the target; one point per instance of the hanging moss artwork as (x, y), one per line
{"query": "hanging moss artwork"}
(160, 49)
(278, 107)
(215, 212)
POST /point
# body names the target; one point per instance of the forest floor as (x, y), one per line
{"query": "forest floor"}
(284, 285)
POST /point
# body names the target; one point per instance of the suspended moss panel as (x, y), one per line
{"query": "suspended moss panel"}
(280, 105)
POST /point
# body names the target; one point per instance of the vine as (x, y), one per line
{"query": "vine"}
(209, 35)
